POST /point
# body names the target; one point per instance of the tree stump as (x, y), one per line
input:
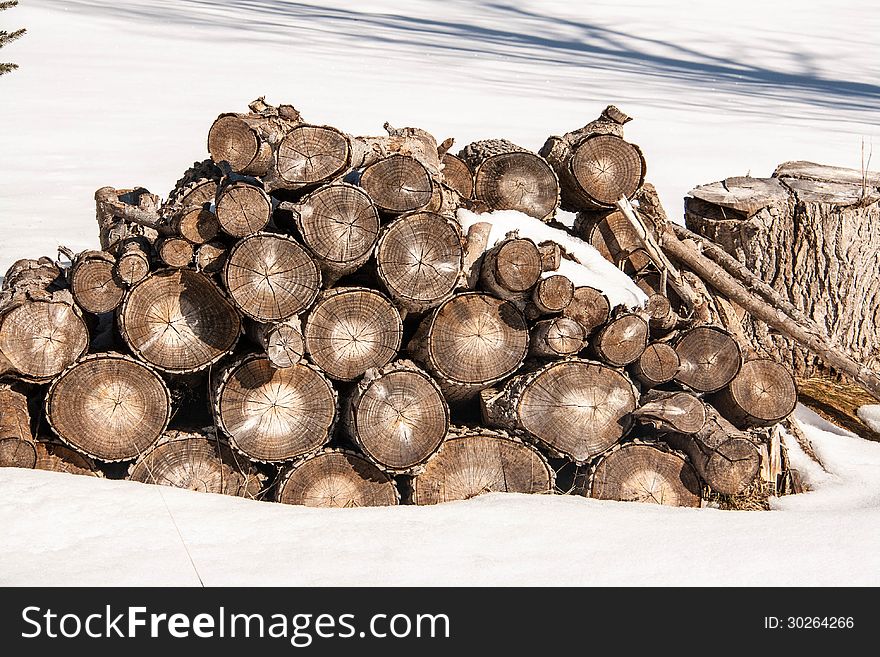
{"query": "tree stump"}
(274, 414)
(640, 472)
(470, 342)
(709, 356)
(622, 340)
(94, 283)
(109, 406)
(17, 448)
(509, 177)
(511, 269)
(398, 417)
(472, 462)
(178, 321)
(556, 338)
(589, 307)
(55, 457)
(337, 479)
(271, 277)
(457, 175)
(761, 394)
(657, 365)
(242, 208)
(132, 260)
(398, 184)
(575, 408)
(196, 460)
(419, 260)
(351, 330)
(282, 342)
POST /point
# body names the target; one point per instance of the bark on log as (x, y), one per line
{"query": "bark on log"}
(351, 330)
(242, 208)
(470, 342)
(658, 364)
(56, 457)
(123, 213)
(197, 460)
(175, 251)
(457, 175)
(553, 294)
(109, 406)
(614, 237)
(595, 165)
(132, 260)
(94, 283)
(271, 277)
(557, 337)
(211, 257)
(709, 356)
(589, 307)
(398, 184)
(509, 177)
(551, 255)
(575, 408)
(511, 269)
(197, 186)
(337, 478)
(761, 394)
(411, 142)
(472, 462)
(178, 321)
(274, 414)
(643, 472)
(282, 342)
(17, 448)
(419, 260)
(622, 340)
(476, 244)
(398, 417)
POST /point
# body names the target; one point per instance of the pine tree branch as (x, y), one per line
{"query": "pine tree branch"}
(8, 4)
(9, 37)
(7, 68)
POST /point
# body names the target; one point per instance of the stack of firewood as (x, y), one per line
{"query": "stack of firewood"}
(312, 299)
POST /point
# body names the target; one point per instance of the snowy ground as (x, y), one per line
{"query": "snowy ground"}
(122, 93)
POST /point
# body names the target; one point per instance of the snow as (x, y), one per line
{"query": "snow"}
(122, 93)
(870, 415)
(590, 268)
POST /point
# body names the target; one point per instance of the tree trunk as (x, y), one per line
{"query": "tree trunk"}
(398, 417)
(132, 260)
(274, 414)
(178, 321)
(351, 330)
(307, 156)
(242, 208)
(813, 233)
(709, 356)
(457, 175)
(282, 342)
(657, 365)
(557, 337)
(109, 406)
(94, 283)
(575, 408)
(398, 184)
(643, 472)
(211, 257)
(511, 269)
(622, 340)
(56, 457)
(338, 479)
(470, 342)
(271, 277)
(476, 461)
(194, 460)
(17, 448)
(509, 177)
(553, 294)
(761, 394)
(175, 252)
(594, 164)
(589, 307)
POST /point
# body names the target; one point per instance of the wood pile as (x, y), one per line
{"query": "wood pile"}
(304, 319)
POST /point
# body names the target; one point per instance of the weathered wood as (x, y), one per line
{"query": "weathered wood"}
(210, 258)
(273, 414)
(197, 460)
(57, 457)
(472, 462)
(197, 186)
(398, 183)
(658, 364)
(109, 406)
(411, 142)
(575, 408)
(661, 317)
(511, 269)
(17, 448)
(709, 356)
(476, 244)
(589, 307)
(197, 224)
(678, 412)
(510, 177)
(352, 329)
(457, 175)
(94, 283)
(419, 260)
(123, 213)
(553, 294)
(622, 340)
(282, 342)
(643, 472)
(242, 208)
(761, 394)
(614, 237)
(556, 337)
(397, 416)
(337, 479)
(175, 251)
(271, 277)
(470, 342)
(132, 260)
(178, 321)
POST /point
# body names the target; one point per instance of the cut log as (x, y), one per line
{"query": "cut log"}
(109, 406)
(56, 457)
(340, 225)
(211, 257)
(271, 277)
(641, 472)
(245, 140)
(622, 340)
(337, 479)
(94, 283)
(470, 342)
(132, 260)
(197, 460)
(457, 175)
(174, 251)
(511, 269)
(411, 142)
(657, 365)
(308, 155)
(556, 338)
(551, 255)
(509, 177)
(17, 448)
(553, 294)
(476, 244)
(123, 213)
(352, 329)
(282, 342)
(398, 184)
(678, 412)
(761, 394)
(594, 164)
(197, 186)
(419, 260)
(575, 408)
(709, 356)
(397, 417)
(614, 237)
(661, 317)
(197, 224)
(242, 208)
(472, 462)
(178, 321)
(274, 414)
(589, 307)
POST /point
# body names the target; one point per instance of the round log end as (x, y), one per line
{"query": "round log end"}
(337, 479)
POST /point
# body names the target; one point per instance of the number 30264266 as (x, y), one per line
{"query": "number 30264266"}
(809, 622)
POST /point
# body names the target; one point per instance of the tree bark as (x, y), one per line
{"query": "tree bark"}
(337, 478)
(17, 448)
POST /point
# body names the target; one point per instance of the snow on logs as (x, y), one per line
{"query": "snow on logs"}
(396, 341)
